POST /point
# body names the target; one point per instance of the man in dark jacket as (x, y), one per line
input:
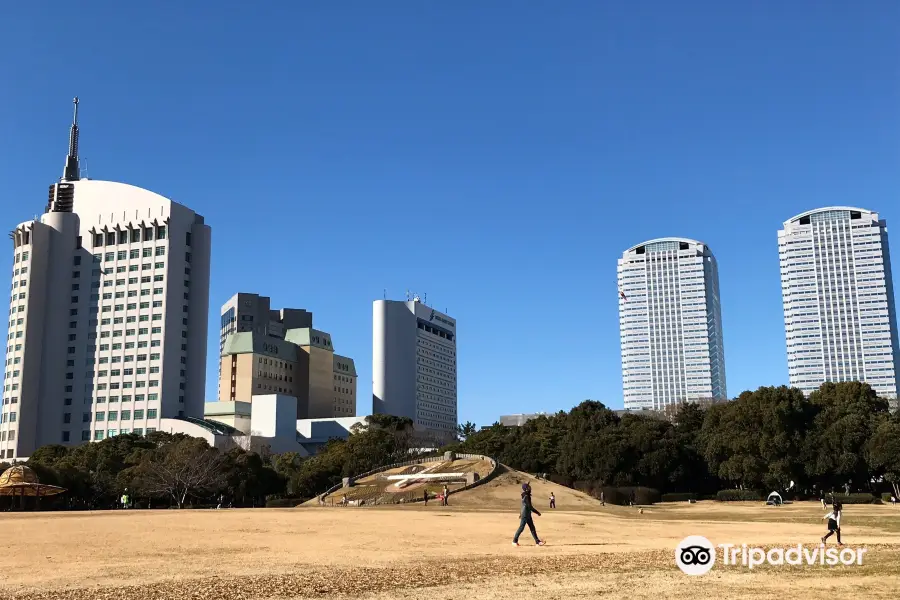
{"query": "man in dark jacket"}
(525, 517)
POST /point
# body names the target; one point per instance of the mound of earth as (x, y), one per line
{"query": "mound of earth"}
(504, 493)
(377, 490)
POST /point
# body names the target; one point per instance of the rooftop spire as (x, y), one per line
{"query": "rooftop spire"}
(71, 171)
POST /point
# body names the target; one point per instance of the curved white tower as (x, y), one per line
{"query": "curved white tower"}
(839, 316)
(670, 324)
(108, 315)
(414, 366)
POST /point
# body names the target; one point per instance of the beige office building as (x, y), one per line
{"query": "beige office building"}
(251, 312)
(303, 365)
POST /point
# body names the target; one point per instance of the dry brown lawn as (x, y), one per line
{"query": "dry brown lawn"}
(453, 553)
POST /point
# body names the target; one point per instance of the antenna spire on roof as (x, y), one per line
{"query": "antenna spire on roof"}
(70, 173)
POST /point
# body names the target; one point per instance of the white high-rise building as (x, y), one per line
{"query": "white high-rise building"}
(108, 315)
(670, 324)
(839, 315)
(414, 365)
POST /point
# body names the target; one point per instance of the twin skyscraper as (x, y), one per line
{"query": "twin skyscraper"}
(839, 313)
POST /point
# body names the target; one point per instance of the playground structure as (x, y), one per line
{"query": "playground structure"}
(410, 481)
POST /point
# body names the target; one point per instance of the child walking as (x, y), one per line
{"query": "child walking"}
(834, 522)
(525, 517)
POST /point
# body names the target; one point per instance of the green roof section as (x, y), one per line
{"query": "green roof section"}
(344, 365)
(307, 336)
(250, 342)
(238, 343)
(218, 409)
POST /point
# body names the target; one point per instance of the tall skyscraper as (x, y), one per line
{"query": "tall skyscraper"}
(414, 365)
(108, 314)
(839, 315)
(670, 324)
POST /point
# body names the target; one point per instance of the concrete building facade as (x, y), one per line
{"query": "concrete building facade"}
(414, 365)
(251, 312)
(670, 324)
(839, 314)
(302, 365)
(108, 315)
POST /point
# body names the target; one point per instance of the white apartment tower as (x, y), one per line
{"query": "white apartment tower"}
(839, 315)
(108, 315)
(414, 365)
(670, 324)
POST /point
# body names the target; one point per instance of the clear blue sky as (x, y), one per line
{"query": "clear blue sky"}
(498, 156)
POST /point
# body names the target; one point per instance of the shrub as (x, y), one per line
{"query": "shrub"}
(886, 497)
(618, 495)
(738, 496)
(864, 498)
(678, 497)
(282, 503)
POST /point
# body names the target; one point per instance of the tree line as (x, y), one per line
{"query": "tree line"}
(162, 470)
(841, 435)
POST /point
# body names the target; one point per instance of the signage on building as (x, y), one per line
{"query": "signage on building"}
(436, 317)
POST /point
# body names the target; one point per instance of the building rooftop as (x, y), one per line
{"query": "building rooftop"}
(665, 239)
(826, 209)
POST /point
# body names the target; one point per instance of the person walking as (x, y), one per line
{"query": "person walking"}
(822, 499)
(834, 522)
(602, 499)
(552, 500)
(425, 496)
(525, 517)
(446, 495)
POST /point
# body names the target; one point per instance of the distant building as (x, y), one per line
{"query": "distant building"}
(265, 351)
(414, 365)
(266, 420)
(312, 434)
(670, 324)
(648, 412)
(251, 312)
(519, 420)
(839, 314)
(108, 314)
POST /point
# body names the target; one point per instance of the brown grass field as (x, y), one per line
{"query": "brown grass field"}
(454, 553)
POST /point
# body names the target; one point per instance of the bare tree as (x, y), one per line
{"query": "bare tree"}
(182, 469)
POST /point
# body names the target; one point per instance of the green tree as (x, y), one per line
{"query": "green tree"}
(464, 430)
(883, 452)
(248, 480)
(846, 417)
(757, 439)
(690, 472)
